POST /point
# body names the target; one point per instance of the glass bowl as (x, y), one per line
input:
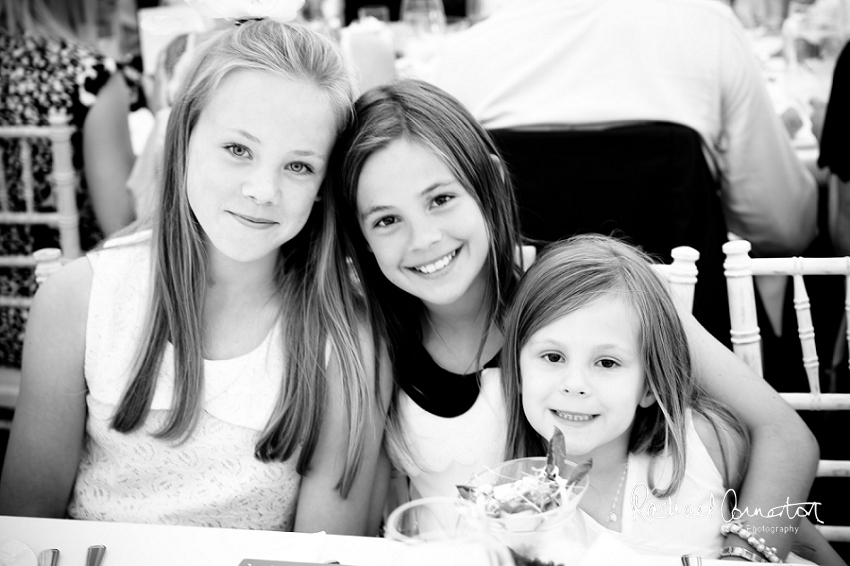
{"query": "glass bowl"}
(514, 470)
(431, 519)
(529, 533)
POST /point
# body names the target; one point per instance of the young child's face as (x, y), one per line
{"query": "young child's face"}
(257, 156)
(426, 231)
(583, 373)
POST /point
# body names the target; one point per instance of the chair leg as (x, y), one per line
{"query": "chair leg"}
(839, 353)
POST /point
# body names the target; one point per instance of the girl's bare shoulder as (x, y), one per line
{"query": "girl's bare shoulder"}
(66, 289)
(719, 439)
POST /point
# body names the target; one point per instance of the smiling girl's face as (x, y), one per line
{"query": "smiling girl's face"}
(256, 160)
(426, 231)
(583, 373)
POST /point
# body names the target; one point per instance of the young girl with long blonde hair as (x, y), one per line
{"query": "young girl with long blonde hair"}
(214, 369)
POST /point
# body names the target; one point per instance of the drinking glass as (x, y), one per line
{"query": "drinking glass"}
(431, 519)
(379, 12)
(424, 16)
(435, 529)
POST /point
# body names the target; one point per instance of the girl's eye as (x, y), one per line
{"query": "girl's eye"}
(608, 364)
(385, 221)
(238, 150)
(553, 358)
(440, 200)
(300, 168)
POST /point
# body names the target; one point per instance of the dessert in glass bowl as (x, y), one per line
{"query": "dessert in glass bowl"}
(529, 504)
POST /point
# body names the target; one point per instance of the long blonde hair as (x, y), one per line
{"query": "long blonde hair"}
(323, 312)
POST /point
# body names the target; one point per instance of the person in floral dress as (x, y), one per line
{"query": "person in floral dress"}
(46, 63)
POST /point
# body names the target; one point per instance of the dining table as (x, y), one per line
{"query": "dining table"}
(133, 544)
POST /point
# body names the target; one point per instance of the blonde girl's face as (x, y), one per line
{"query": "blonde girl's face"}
(257, 156)
(426, 231)
(583, 373)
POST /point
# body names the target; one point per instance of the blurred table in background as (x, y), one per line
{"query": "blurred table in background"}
(798, 55)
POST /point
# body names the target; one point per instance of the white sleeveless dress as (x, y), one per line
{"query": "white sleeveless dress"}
(454, 448)
(213, 478)
(689, 521)
(445, 452)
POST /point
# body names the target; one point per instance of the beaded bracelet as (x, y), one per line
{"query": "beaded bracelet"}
(741, 553)
(740, 529)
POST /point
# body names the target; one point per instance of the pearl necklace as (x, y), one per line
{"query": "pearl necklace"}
(612, 516)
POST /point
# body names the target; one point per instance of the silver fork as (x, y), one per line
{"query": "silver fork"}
(95, 555)
(48, 557)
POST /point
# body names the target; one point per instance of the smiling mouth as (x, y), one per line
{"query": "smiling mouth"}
(253, 220)
(574, 417)
(438, 265)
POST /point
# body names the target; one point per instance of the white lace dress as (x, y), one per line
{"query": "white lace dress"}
(213, 478)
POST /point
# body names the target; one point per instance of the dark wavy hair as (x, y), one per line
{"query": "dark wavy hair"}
(422, 113)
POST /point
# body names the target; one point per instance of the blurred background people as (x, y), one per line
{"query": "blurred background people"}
(580, 63)
(835, 152)
(168, 74)
(771, 15)
(767, 13)
(49, 61)
(453, 8)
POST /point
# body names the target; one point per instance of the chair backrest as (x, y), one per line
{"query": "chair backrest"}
(66, 218)
(681, 275)
(63, 185)
(649, 182)
(739, 270)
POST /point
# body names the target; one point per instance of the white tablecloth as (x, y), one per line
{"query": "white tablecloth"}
(160, 545)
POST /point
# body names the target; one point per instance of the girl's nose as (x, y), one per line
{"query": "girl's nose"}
(261, 188)
(424, 233)
(574, 383)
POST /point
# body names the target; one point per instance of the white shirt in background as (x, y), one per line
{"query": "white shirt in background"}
(586, 62)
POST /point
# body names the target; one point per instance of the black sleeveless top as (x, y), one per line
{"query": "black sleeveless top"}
(436, 390)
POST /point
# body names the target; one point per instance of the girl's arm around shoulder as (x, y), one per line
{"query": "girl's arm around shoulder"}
(320, 504)
(48, 430)
(811, 545)
(784, 453)
(720, 439)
